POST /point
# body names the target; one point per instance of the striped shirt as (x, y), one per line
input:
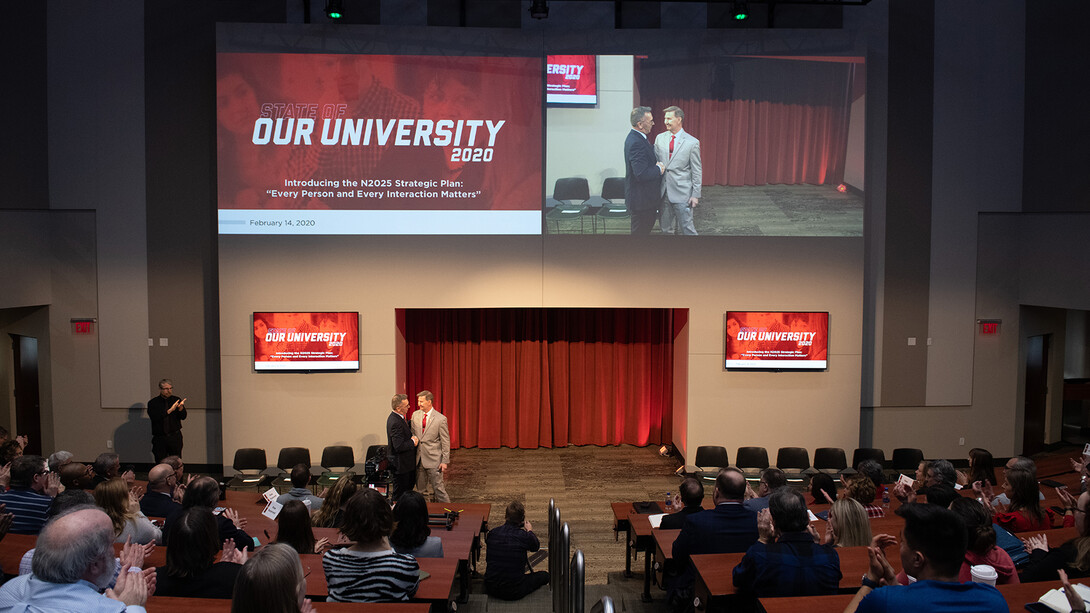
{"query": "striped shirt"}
(29, 508)
(370, 576)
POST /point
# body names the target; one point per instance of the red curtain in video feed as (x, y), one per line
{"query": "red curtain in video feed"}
(528, 378)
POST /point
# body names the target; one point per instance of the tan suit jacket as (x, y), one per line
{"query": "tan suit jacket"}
(434, 446)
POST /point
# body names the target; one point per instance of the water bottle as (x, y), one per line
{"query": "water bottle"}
(885, 500)
(669, 501)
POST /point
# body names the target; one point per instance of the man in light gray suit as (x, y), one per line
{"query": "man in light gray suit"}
(433, 453)
(679, 152)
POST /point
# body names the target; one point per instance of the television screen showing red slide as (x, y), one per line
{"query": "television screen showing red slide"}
(312, 143)
(571, 80)
(766, 340)
(306, 341)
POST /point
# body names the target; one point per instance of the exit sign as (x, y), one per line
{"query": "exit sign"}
(989, 327)
(83, 327)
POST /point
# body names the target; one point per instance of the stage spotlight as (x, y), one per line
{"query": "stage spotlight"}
(842, 188)
(334, 9)
(741, 11)
(539, 9)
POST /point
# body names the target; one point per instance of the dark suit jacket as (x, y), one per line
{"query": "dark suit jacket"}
(642, 179)
(728, 528)
(158, 504)
(675, 521)
(400, 449)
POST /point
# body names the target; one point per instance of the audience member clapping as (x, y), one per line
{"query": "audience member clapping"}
(772, 479)
(872, 469)
(159, 499)
(411, 534)
(32, 490)
(205, 492)
(122, 505)
(1024, 512)
(370, 570)
(981, 468)
(294, 530)
(690, 498)
(58, 459)
(10, 450)
(847, 525)
(271, 581)
(1073, 556)
(981, 542)
(822, 489)
(331, 515)
(937, 484)
(77, 476)
(107, 466)
(191, 570)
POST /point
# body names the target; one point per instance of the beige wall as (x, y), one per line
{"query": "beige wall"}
(377, 275)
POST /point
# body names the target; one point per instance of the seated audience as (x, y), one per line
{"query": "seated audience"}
(271, 581)
(1017, 462)
(159, 501)
(981, 547)
(370, 570)
(822, 489)
(9, 451)
(191, 570)
(861, 489)
(293, 529)
(300, 478)
(73, 561)
(689, 500)
(1072, 557)
(58, 459)
(505, 575)
(412, 535)
(772, 479)
(205, 492)
(77, 476)
(331, 515)
(107, 466)
(872, 469)
(32, 490)
(124, 511)
(786, 561)
(937, 485)
(176, 463)
(933, 543)
(1024, 512)
(980, 468)
(728, 528)
(848, 524)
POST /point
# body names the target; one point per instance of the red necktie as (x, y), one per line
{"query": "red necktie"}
(672, 137)
(423, 423)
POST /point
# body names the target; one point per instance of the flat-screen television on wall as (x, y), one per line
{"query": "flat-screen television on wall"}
(571, 80)
(777, 340)
(306, 341)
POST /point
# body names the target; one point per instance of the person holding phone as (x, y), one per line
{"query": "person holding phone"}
(166, 412)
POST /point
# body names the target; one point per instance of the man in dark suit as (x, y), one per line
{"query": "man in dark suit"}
(728, 528)
(159, 499)
(642, 174)
(692, 496)
(401, 450)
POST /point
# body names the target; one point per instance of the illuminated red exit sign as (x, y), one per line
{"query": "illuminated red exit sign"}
(83, 327)
(989, 327)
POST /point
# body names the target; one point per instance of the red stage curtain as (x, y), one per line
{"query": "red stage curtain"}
(771, 122)
(531, 378)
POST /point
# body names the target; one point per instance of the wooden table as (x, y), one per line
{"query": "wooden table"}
(167, 604)
(437, 590)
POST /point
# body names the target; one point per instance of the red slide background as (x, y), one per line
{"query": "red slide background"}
(386, 88)
(283, 351)
(585, 85)
(742, 322)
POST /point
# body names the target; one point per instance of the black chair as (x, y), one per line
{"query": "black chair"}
(250, 462)
(289, 457)
(831, 461)
(906, 460)
(709, 460)
(794, 462)
(868, 453)
(569, 201)
(613, 202)
(336, 460)
(751, 461)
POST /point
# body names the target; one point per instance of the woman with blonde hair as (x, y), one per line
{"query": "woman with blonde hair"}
(271, 582)
(848, 525)
(124, 510)
(331, 513)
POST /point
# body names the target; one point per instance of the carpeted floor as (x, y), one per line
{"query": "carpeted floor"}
(583, 481)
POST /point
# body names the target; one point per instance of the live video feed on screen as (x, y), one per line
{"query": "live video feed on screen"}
(306, 341)
(756, 145)
(777, 340)
(313, 143)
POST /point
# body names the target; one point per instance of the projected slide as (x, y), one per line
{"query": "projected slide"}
(571, 80)
(759, 340)
(305, 342)
(375, 144)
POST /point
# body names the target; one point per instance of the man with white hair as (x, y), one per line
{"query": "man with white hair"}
(73, 560)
